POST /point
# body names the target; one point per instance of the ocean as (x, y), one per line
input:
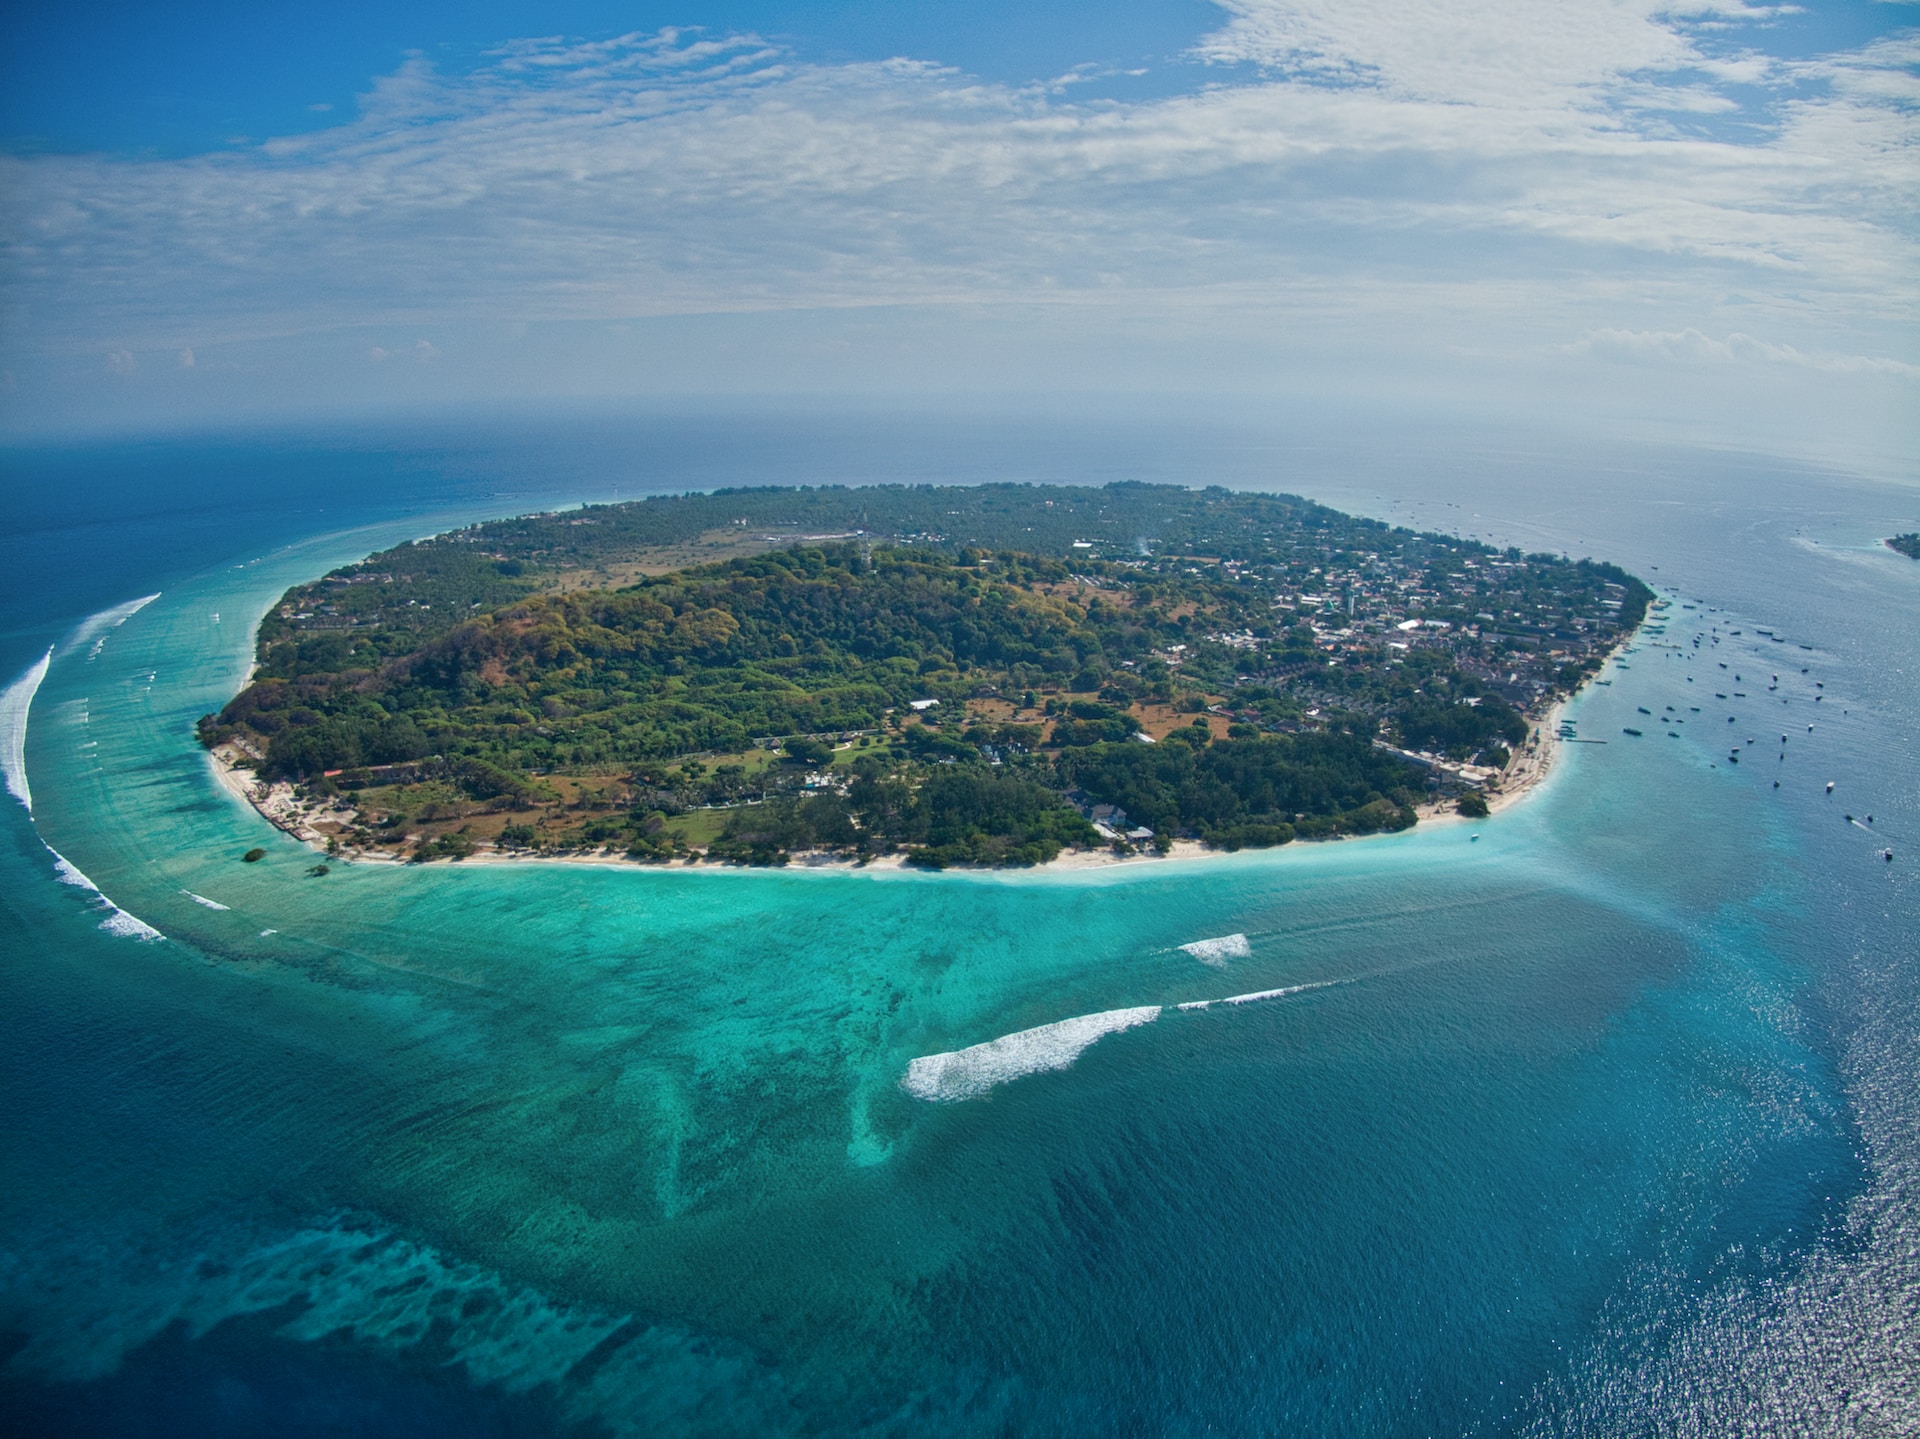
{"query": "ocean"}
(1605, 1122)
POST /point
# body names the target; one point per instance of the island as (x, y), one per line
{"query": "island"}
(1908, 545)
(939, 676)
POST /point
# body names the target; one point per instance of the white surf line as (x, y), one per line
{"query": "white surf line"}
(98, 627)
(118, 921)
(971, 1072)
(968, 1073)
(1260, 994)
(15, 702)
(1216, 952)
(202, 899)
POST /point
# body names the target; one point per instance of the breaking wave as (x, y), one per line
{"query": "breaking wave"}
(118, 921)
(1291, 989)
(1217, 952)
(202, 899)
(968, 1073)
(971, 1072)
(15, 701)
(1259, 994)
(98, 627)
(128, 926)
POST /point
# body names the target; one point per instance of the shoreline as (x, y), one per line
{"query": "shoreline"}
(1530, 770)
(293, 817)
(1523, 776)
(277, 805)
(327, 825)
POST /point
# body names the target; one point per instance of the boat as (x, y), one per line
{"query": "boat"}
(1634, 732)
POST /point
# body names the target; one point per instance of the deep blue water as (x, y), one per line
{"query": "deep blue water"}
(1602, 1124)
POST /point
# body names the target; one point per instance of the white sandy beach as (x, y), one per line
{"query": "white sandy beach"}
(279, 805)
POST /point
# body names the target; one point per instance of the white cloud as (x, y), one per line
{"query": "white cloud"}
(1392, 175)
(122, 362)
(1503, 54)
(1692, 346)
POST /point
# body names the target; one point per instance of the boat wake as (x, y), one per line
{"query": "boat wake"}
(15, 701)
(118, 921)
(971, 1072)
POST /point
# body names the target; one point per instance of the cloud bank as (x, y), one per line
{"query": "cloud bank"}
(1367, 182)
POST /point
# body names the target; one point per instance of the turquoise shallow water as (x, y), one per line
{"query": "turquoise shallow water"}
(1600, 1123)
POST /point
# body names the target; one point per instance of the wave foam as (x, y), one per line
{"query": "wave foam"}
(17, 699)
(15, 702)
(202, 899)
(1260, 994)
(971, 1072)
(1217, 952)
(118, 921)
(128, 926)
(67, 872)
(98, 627)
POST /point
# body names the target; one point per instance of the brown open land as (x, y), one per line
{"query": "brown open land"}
(711, 547)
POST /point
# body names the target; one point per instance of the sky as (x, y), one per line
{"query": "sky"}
(1684, 217)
